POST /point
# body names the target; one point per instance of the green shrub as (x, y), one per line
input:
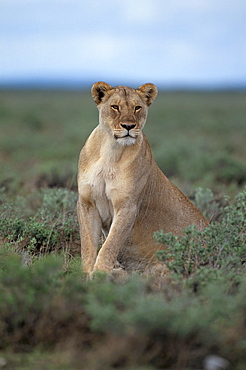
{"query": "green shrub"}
(219, 251)
(49, 225)
(113, 324)
(32, 306)
(211, 206)
(167, 318)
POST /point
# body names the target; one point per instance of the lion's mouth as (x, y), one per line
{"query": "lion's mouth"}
(125, 136)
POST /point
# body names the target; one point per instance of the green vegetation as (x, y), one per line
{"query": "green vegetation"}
(41, 222)
(217, 253)
(50, 316)
(198, 139)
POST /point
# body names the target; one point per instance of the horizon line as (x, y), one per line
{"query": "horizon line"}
(84, 84)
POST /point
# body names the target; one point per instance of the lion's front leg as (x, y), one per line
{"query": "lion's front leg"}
(121, 227)
(90, 231)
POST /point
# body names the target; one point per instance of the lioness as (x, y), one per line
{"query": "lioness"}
(122, 192)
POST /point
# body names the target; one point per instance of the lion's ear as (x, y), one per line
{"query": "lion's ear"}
(99, 90)
(148, 93)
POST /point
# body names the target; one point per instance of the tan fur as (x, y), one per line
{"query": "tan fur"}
(122, 191)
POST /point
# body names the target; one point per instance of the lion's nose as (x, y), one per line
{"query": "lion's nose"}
(128, 127)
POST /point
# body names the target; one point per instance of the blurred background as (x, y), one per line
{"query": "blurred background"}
(52, 51)
(76, 42)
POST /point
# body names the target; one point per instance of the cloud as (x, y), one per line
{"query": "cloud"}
(63, 53)
(158, 39)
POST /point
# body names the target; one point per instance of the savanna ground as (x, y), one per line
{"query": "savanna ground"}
(50, 316)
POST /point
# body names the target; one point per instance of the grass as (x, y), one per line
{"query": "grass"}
(50, 316)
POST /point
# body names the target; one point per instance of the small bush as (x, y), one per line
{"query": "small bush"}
(219, 251)
(33, 308)
(210, 205)
(51, 224)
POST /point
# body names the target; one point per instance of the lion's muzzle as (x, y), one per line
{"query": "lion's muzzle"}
(126, 130)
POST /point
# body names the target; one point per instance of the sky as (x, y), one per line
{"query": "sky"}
(167, 42)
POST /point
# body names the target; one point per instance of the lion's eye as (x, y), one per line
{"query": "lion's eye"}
(137, 108)
(115, 107)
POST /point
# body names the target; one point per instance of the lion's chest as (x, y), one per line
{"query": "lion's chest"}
(101, 180)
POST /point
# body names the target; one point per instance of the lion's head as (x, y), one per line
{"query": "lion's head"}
(123, 110)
